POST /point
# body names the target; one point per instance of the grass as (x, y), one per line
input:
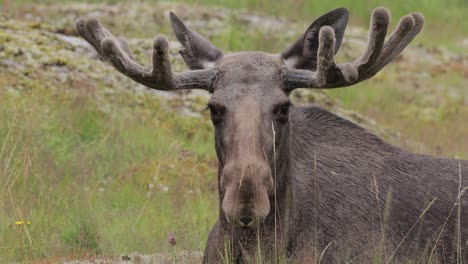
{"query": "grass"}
(101, 171)
(439, 14)
(444, 19)
(100, 183)
(394, 104)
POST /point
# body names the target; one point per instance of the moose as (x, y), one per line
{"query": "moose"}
(299, 184)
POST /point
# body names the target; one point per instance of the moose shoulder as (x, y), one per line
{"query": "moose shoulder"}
(301, 184)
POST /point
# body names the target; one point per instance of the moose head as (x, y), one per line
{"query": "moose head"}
(249, 101)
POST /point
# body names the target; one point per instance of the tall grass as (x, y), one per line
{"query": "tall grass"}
(94, 182)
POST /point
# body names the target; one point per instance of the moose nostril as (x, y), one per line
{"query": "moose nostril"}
(246, 220)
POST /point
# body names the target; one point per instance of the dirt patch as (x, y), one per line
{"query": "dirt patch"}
(179, 257)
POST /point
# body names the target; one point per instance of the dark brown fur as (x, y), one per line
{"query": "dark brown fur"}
(341, 180)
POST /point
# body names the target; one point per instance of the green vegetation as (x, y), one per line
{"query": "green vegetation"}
(93, 181)
(95, 170)
(100, 168)
(445, 19)
(441, 15)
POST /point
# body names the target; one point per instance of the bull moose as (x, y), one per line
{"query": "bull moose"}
(301, 184)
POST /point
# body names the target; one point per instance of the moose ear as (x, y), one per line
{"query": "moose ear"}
(198, 53)
(303, 53)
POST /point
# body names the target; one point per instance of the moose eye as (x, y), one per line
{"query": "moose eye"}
(281, 112)
(217, 113)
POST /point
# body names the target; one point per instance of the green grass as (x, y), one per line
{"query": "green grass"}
(94, 182)
(415, 107)
(444, 19)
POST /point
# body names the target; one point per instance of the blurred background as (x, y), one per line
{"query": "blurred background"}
(93, 165)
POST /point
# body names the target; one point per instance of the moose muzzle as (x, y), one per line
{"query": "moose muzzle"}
(247, 187)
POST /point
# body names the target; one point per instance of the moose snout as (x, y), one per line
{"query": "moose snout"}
(246, 198)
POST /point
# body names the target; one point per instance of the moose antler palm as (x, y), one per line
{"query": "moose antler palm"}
(160, 77)
(378, 53)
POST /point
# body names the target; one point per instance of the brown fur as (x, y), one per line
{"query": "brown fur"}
(338, 184)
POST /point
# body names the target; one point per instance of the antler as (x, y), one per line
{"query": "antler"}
(160, 77)
(378, 54)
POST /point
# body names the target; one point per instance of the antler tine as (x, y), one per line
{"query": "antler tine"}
(373, 54)
(125, 47)
(377, 32)
(326, 68)
(377, 55)
(325, 58)
(408, 27)
(92, 31)
(380, 52)
(112, 52)
(161, 77)
(326, 52)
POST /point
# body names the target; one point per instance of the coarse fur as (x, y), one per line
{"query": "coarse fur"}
(338, 184)
(300, 184)
(353, 190)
